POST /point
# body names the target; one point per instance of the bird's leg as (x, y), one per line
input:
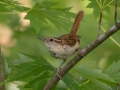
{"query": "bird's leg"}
(80, 52)
(59, 68)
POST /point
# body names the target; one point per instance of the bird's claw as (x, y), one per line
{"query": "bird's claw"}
(58, 72)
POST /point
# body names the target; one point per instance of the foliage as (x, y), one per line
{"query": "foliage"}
(37, 71)
(41, 12)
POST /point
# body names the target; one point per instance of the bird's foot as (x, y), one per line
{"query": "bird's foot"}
(80, 52)
(58, 72)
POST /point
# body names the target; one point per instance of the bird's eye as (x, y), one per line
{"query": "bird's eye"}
(51, 39)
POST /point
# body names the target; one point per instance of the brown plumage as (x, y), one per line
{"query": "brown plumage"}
(72, 38)
(68, 39)
(77, 21)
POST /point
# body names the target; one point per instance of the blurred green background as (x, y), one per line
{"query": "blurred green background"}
(17, 36)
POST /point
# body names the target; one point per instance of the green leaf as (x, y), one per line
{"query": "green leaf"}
(32, 68)
(28, 70)
(7, 69)
(70, 82)
(85, 71)
(22, 88)
(39, 82)
(45, 4)
(114, 71)
(42, 13)
(11, 5)
(3, 7)
(23, 59)
(95, 84)
(96, 9)
(100, 85)
(112, 2)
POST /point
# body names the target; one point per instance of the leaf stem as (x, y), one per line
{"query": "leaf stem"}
(108, 3)
(104, 2)
(98, 3)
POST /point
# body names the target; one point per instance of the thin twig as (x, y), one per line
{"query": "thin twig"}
(77, 58)
(99, 27)
(115, 14)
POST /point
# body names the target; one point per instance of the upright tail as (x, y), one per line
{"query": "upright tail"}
(77, 21)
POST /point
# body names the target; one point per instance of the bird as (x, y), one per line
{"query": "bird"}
(64, 46)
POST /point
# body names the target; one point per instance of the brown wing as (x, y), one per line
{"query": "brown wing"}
(77, 21)
(68, 39)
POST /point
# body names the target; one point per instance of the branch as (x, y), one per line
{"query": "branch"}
(2, 87)
(118, 86)
(115, 14)
(77, 58)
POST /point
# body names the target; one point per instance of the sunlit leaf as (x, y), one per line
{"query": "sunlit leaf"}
(85, 71)
(114, 71)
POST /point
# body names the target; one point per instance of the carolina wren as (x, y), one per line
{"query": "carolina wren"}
(65, 45)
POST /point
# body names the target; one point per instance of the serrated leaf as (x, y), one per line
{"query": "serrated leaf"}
(95, 84)
(23, 59)
(70, 82)
(39, 82)
(112, 2)
(114, 71)
(45, 4)
(100, 85)
(32, 68)
(97, 6)
(10, 5)
(96, 9)
(39, 16)
(7, 69)
(85, 71)
(39, 60)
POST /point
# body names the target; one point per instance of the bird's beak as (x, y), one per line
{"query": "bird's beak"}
(43, 39)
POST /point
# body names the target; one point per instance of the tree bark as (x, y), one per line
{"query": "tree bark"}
(2, 86)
